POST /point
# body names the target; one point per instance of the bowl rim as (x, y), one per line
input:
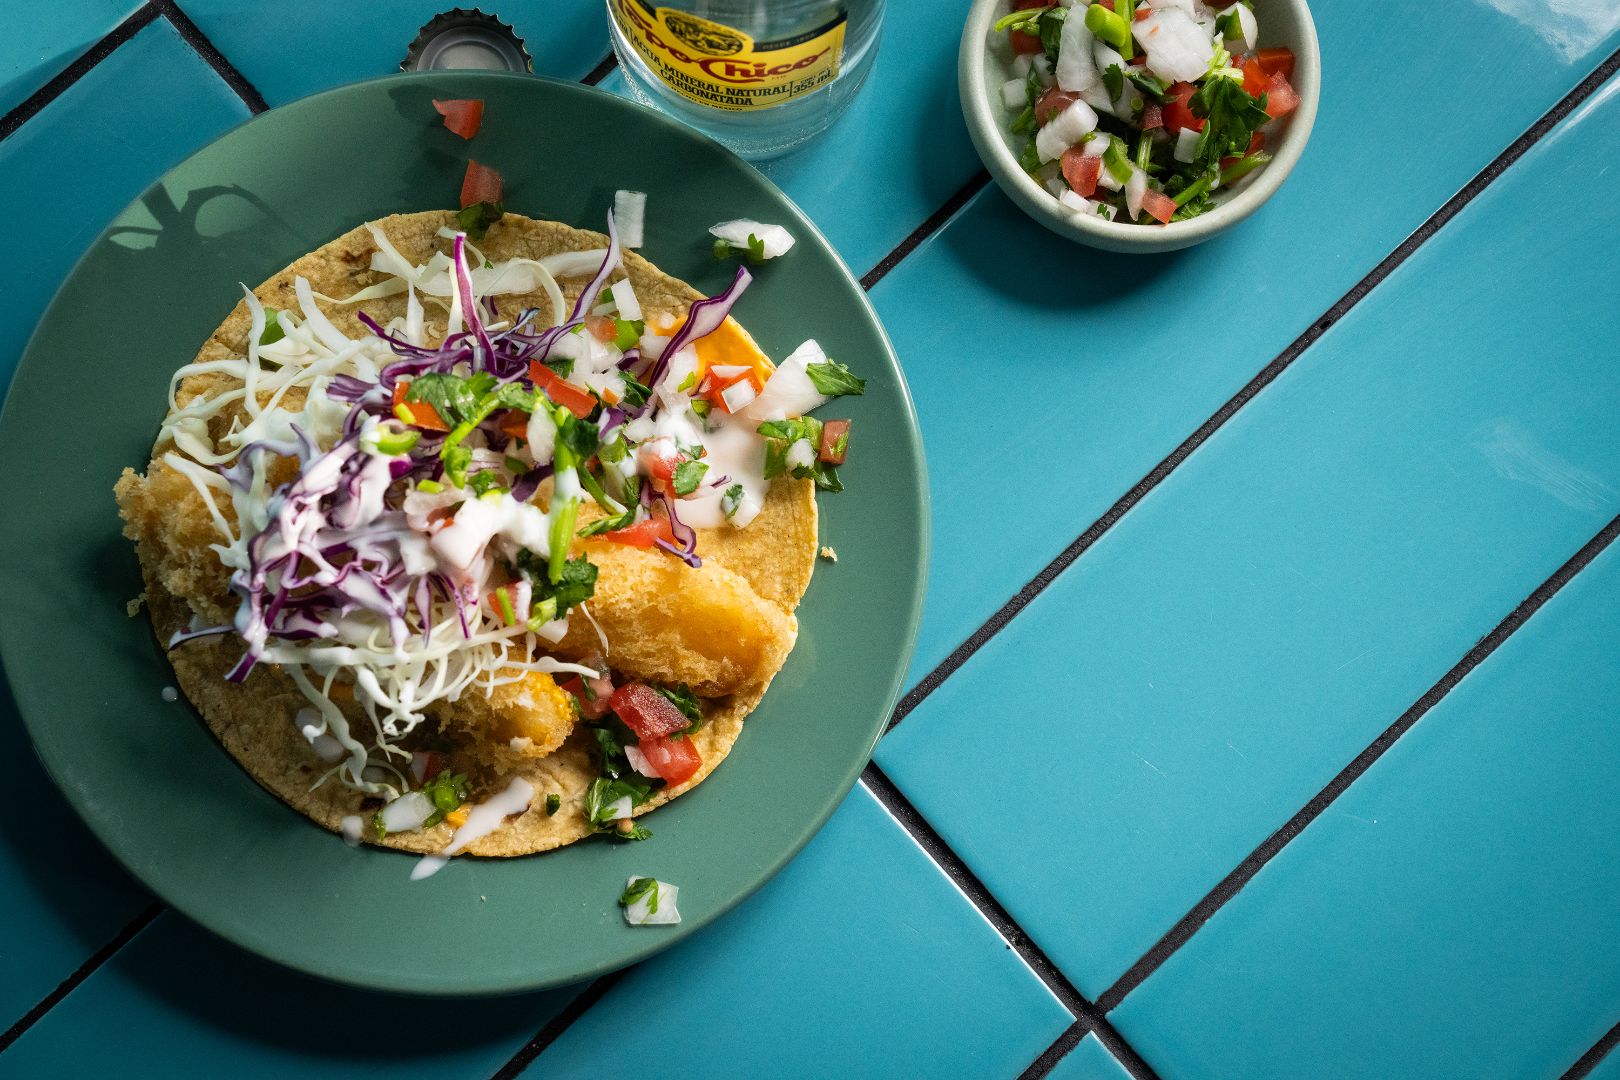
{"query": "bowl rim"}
(980, 111)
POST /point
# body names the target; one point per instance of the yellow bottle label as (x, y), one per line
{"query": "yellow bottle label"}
(713, 64)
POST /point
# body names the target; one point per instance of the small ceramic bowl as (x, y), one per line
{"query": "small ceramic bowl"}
(984, 64)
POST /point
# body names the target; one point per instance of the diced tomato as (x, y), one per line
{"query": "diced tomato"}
(1255, 79)
(1280, 97)
(1139, 60)
(400, 389)
(590, 707)
(1152, 117)
(419, 414)
(659, 463)
(1278, 61)
(647, 712)
(1081, 171)
(1257, 142)
(515, 424)
(1053, 102)
(461, 116)
(643, 534)
(1109, 4)
(1178, 112)
(601, 328)
(579, 402)
(481, 184)
(831, 432)
(713, 388)
(1160, 205)
(674, 758)
(1022, 42)
(1142, 12)
(439, 517)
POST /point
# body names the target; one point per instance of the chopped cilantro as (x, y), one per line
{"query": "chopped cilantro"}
(637, 889)
(833, 379)
(476, 219)
(553, 804)
(688, 475)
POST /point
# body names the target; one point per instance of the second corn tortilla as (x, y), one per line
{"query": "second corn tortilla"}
(776, 553)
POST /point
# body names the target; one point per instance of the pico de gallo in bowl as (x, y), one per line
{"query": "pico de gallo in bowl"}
(1120, 113)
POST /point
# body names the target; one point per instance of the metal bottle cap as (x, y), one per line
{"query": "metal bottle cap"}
(462, 38)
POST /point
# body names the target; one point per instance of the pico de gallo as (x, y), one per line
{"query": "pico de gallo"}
(1142, 110)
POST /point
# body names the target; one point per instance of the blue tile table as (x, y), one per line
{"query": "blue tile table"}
(1265, 721)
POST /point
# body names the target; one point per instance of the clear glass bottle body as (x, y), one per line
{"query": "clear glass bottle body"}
(760, 76)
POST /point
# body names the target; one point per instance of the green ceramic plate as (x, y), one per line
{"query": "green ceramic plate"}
(147, 776)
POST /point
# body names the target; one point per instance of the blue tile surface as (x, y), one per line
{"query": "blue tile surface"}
(1452, 915)
(1282, 597)
(61, 886)
(1606, 1069)
(178, 1002)
(295, 48)
(861, 959)
(42, 38)
(899, 153)
(1090, 1060)
(1116, 360)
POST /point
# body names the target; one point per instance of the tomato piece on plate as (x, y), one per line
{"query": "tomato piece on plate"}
(832, 433)
(643, 534)
(1160, 205)
(591, 708)
(482, 184)
(1178, 112)
(1280, 97)
(647, 712)
(579, 402)
(1053, 102)
(1082, 171)
(673, 758)
(1279, 61)
(461, 115)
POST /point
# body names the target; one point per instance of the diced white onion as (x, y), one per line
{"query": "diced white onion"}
(1043, 69)
(627, 300)
(1186, 144)
(620, 809)
(729, 371)
(1064, 130)
(776, 239)
(1076, 69)
(406, 813)
(1107, 181)
(638, 761)
(629, 217)
(1248, 30)
(1020, 65)
(1077, 203)
(738, 396)
(1056, 187)
(640, 913)
(1178, 49)
(1097, 145)
(1135, 188)
(801, 454)
(1014, 95)
(789, 391)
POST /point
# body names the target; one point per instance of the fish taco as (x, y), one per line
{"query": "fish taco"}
(482, 543)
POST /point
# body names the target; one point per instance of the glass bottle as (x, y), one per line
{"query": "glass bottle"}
(760, 76)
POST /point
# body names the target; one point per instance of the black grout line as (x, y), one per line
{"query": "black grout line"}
(602, 70)
(1087, 1015)
(213, 57)
(1589, 1060)
(1005, 614)
(1245, 871)
(75, 71)
(84, 971)
(557, 1025)
(926, 229)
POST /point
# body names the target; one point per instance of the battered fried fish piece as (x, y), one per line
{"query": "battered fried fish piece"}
(531, 716)
(667, 622)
